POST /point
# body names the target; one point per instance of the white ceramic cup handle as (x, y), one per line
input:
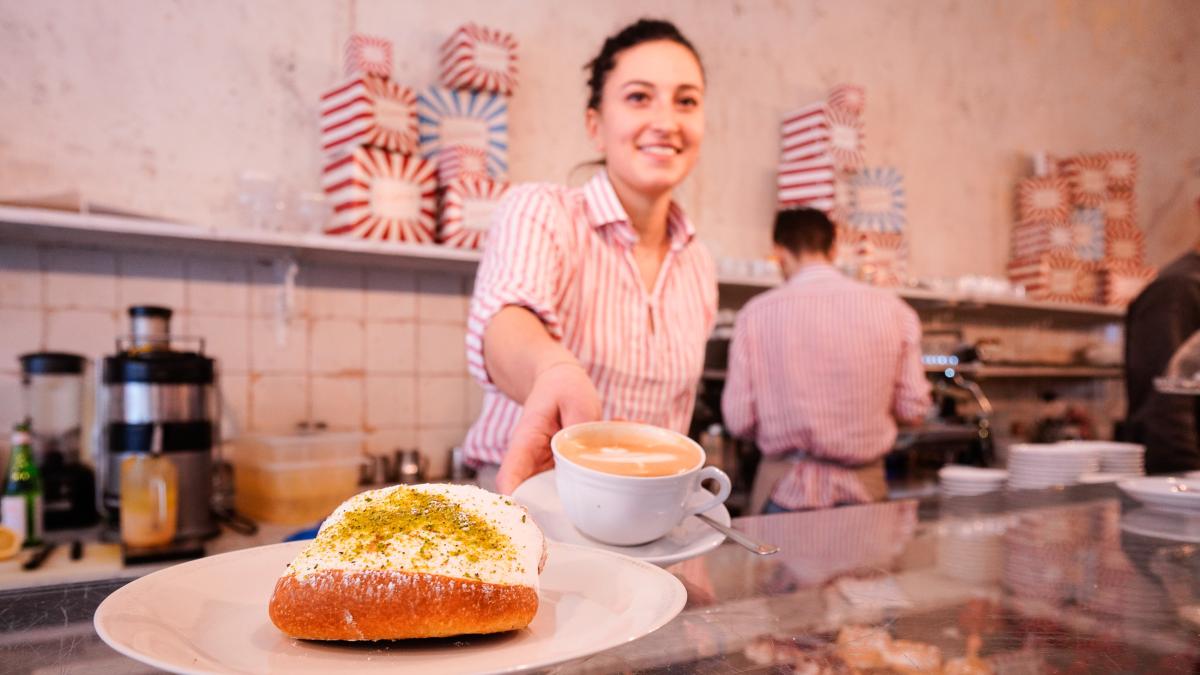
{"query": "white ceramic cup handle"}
(722, 494)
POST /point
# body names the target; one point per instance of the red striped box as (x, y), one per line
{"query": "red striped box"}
(849, 98)
(883, 258)
(480, 59)
(807, 182)
(1088, 178)
(369, 110)
(1121, 283)
(1120, 169)
(847, 248)
(468, 205)
(461, 161)
(1056, 277)
(1032, 240)
(368, 54)
(382, 195)
(1124, 245)
(1043, 199)
(1119, 208)
(817, 130)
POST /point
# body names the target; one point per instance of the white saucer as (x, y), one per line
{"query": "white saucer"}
(688, 540)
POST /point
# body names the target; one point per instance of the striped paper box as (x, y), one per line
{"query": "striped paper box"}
(1056, 277)
(1121, 283)
(1087, 234)
(480, 59)
(1032, 240)
(467, 207)
(1119, 208)
(368, 54)
(883, 258)
(460, 161)
(849, 98)
(1043, 199)
(807, 182)
(451, 117)
(848, 246)
(1120, 169)
(369, 110)
(817, 130)
(876, 200)
(1088, 178)
(1124, 245)
(382, 195)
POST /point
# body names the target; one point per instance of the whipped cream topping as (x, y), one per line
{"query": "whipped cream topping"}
(451, 530)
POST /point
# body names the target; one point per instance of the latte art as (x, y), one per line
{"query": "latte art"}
(630, 456)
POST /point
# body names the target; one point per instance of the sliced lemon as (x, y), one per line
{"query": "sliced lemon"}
(9, 543)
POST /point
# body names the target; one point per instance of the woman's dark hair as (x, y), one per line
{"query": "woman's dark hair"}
(804, 230)
(643, 30)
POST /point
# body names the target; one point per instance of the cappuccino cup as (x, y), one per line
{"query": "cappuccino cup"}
(626, 484)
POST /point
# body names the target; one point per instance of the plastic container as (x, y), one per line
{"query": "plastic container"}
(297, 479)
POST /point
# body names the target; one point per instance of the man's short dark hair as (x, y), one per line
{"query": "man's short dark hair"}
(804, 230)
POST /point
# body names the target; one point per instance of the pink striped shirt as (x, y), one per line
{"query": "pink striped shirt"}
(567, 255)
(824, 365)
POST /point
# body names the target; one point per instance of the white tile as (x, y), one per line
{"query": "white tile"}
(278, 403)
(218, 286)
(440, 402)
(391, 294)
(234, 391)
(387, 441)
(391, 402)
(441, 349)
(436, 443)
(441, 297)
(80, 279)
(474, 398)
(391, 347)
(335, 292)
(226, 338)
(20, 276)
(269, 293)
(88, 333)
(335, 346)
(12, 406)
(278, 347)
(338, 402)
(22, 333)
(149, 279)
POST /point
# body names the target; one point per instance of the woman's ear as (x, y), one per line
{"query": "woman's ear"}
(591, 121)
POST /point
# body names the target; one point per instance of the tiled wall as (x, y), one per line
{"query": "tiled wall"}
(376, 350)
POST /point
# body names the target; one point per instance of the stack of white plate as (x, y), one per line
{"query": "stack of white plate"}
(960, 481)
(1124, 459)
(1034, 466)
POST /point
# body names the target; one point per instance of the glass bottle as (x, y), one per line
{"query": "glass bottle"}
(21, 505)
(149, 499)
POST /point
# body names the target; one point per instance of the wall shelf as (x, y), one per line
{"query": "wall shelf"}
(130, 233)
(126, 233)
(999, 372)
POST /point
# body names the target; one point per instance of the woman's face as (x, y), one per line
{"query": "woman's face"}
(651, 118)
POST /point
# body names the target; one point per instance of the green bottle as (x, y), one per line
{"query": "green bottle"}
(21, 505)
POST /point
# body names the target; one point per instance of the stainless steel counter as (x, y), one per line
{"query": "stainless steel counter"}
(1077, 579)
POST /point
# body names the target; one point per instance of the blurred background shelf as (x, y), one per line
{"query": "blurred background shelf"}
(997, 372)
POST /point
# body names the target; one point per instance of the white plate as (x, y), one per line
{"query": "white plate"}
(210, 616)
(688, 540)
(1175, 526)
(1161, 492)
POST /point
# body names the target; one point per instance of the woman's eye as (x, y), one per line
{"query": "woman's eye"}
(637, 97)
(689, 101)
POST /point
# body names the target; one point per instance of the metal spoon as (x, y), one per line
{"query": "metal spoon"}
(740, 538)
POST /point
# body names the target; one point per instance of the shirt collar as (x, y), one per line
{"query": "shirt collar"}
(815, 270)
(604, 209)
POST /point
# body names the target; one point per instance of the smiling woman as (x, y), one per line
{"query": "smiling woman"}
(595, 303)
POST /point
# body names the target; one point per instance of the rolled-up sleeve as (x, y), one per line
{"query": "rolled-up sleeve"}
(912, 400)
(737, 400)
(522, 265)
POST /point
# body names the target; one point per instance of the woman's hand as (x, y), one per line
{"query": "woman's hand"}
(562, 395)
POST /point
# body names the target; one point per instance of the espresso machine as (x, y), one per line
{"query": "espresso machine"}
(159, 399)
